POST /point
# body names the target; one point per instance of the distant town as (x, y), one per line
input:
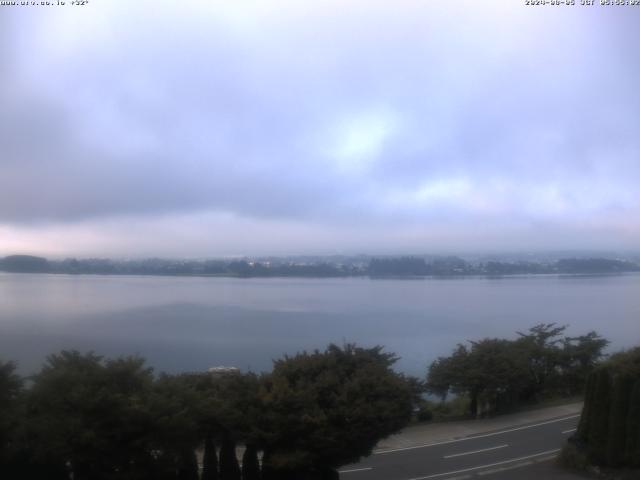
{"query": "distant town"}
(333, 266)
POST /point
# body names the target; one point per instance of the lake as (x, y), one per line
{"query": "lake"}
(192, 323)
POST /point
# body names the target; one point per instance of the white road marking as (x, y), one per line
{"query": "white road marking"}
(355, 470)
(570, 430)
(546, 459)
(446, 442)
(517, 465)
(519, 459)
(475, 451)
(504, 469)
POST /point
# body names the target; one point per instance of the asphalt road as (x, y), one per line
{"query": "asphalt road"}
(481, 455)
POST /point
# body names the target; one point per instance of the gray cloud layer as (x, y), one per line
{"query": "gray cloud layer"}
(412, 117)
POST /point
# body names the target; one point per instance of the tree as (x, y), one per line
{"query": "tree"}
(444, 373)
(227, 411)
(229, 468)
(210, 459)
(491, 372)
(91, 415)
(580, 356)
(325, 409)
(10, 391)
(175, 406)
(585, 418)
(599, 416)
(497, 374)
(544, 357)
(187, 465)
(398, 266)
(632, 447)
(609, 429)
(250, 463)
(618, 413)
(496, 371)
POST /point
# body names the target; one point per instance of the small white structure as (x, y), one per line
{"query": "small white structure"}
(223, 370)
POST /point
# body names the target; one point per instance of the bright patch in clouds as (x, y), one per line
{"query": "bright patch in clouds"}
(451, 189)
(361, 139)
(455, 192)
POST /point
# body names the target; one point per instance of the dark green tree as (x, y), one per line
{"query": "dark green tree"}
(10, 415)
(210, 459)
(632, 447)
(187, 465)
(618, 413)
(229, 468)
(90, 414)
(446, 373)
(498, 374)
(250, 464)
(492, 372)
(175, 407)
(540, 346)
(589, 398)
(580, 355)
(627, 361)
(326, 409)
(229, 409)
(599, 416)
(609, 428)
(495, 375)
(10, 389)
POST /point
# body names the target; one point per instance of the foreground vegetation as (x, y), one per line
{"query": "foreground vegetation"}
(498, 375)
(609, 431)
(86, 417)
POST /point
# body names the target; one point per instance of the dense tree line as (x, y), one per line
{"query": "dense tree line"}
(352, 266)
(157, 266)
(86, 417)
(417, 266)
(609, 429)
(500, 374)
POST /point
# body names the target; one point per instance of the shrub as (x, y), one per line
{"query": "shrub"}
(571, 456)
(424, 414)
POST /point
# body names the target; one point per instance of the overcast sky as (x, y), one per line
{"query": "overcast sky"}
(214, 128)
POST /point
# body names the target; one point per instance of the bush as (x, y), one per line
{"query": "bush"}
(325, 409)
(632, 450)
(610, 419)
(571, 456)
(456, 408)
(424, 413)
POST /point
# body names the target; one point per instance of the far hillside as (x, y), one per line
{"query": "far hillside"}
(24, 264)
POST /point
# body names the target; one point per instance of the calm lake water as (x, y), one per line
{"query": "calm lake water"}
(190, 323)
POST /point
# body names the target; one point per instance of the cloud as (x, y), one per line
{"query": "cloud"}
(360, 140)
(207, 234)
(326, 116)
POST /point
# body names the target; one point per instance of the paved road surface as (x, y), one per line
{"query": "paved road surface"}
(485, 455)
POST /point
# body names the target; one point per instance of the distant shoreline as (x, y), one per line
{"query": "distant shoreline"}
(385, 267)
(316, 277)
